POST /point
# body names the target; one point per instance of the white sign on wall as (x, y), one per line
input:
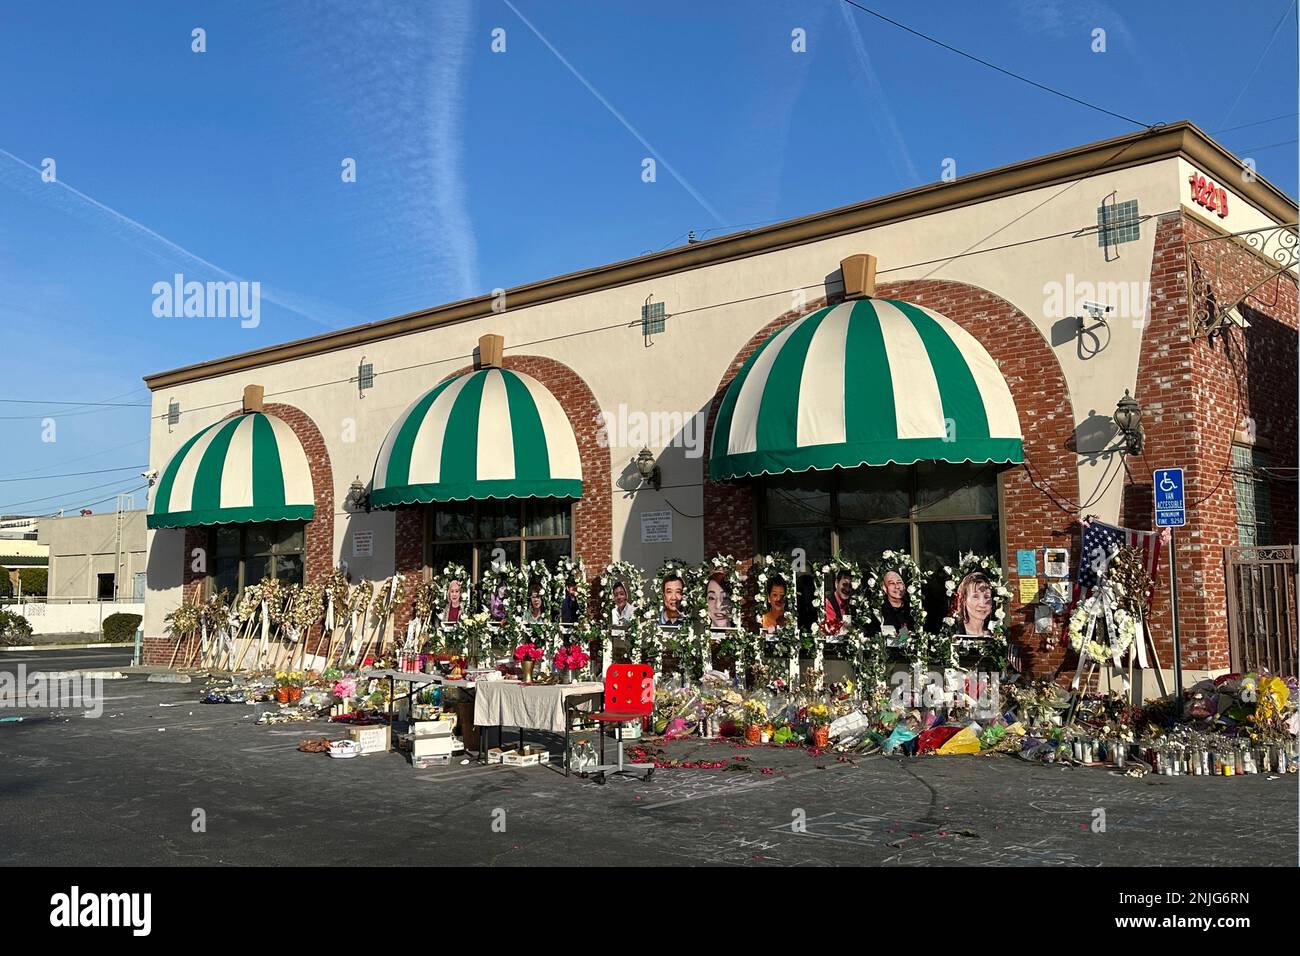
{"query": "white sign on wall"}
(363, 544)
(656, 527)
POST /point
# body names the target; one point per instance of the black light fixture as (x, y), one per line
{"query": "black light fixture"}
(1128, 419)
(648, 468)
(357, 492)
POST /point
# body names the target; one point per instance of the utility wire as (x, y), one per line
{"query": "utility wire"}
(102, 451)
(75, 474)
(999, 69)
(1271, 119)
(112, 497)
(62, 494)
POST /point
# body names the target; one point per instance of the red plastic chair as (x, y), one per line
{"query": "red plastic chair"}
(629, 695)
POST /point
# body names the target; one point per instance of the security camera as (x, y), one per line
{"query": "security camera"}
(1096, 309)
(1234, 316)
(150, 476)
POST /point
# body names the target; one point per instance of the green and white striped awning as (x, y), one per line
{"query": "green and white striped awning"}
(870, 382)
(492, 433)
(248, 468)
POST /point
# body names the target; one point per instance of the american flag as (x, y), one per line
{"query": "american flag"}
(1100, 542)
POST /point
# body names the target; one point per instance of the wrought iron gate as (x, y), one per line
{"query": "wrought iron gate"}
(1261, 585)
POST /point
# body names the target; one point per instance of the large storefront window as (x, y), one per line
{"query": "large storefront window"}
(245, 554)
(468, 533)
(933, 511)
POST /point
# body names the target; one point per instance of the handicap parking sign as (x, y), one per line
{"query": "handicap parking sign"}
(1171, 508)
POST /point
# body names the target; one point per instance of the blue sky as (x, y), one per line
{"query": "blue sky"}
(478, 169)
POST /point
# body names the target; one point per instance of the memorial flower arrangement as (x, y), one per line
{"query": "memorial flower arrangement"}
(474, 632)
(571, 569)
(572, 658)
(528, 652)
(422, 609)
(818, 715)
(307, 608)
(917, 645)
(442, 580)
(994, 653)
(768, 570)
(628, 575)
(723, 569)
(184, 621)
(828, 572)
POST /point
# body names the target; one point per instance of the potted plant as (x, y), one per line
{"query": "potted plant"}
(283, 687)
(819, 718)
(296, 681)
(527, 655)
(755, 717)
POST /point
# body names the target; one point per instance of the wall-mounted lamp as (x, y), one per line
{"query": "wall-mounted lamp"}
(357, 493)
(1128, 419)
(648, 468)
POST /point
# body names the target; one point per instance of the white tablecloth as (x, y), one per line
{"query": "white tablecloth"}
(531, 706)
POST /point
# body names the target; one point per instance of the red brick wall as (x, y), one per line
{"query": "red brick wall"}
(1046, 419)
(1195, 393)
(593, 516)
(319, 537)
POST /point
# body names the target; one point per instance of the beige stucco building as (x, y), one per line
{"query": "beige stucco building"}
(1076, 272)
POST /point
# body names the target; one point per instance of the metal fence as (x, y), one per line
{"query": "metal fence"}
(1261, 584)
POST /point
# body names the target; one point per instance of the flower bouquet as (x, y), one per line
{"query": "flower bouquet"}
(569, 661)
(819, 718)
(527, 655)
(755, 714)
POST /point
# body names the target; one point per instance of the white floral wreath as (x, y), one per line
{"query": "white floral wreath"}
(1092, 610)
(734, 584)
(828, 572)
(633, 579)
(515, 629)
(566, 568)
(989, 567)
(914, 578)
(442, 580)
(765, 568)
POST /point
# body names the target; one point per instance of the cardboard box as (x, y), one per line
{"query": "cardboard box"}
(422, 746)
(514, 758)
(372, 740)
(433, 728)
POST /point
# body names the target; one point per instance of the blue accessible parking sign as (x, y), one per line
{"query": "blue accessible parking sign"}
(1171, 508)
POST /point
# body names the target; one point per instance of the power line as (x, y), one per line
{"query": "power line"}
(43, 401)
(1271, 119)
(76, 474)
(112, 497)
(62, 494)
(970, 251)
(994, 66)
(1260, 149)
(102, 451)
(1260, 62)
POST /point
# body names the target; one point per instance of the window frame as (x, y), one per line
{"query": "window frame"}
(1249, 487)
(242, 554)
(913, 520)
(475, 543)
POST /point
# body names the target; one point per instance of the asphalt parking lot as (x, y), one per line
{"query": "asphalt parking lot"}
(133, 786)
